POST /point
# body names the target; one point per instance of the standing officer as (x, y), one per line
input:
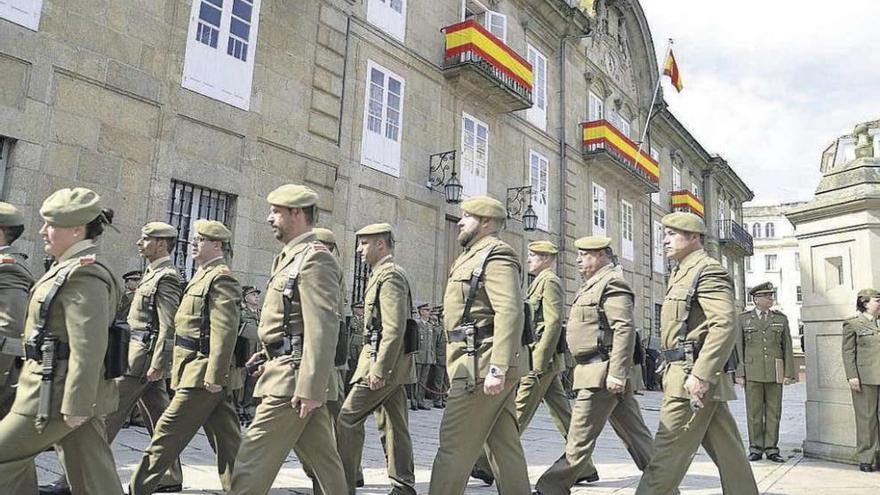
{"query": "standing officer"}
(69, 312)
(601, 337)
(486, 356)
(439, 379)
(767, 365)
(131, 280)
(15, 282)
(384, 366)
(250, 320)
(206, 325)
(860, 346)
(698, 334)
(425, 358)
(542, 383)
(299, 327)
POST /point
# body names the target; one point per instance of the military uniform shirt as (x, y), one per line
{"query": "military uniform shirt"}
(764, 341)
(15, 283)
(545, 299)
(860, 344)
(161, 282)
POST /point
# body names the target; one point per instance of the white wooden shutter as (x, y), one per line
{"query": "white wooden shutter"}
(474, 156)
(537, 114)
(383, 120)
(388, 15)
(22, 12)
(496, 23)
(626, 230)
(538, 178)
(599, 210)
(596, 110)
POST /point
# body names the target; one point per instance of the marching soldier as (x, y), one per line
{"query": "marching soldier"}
(355, 341)
(698, 334)
(767, 364)
(384, 366)
(336, 387)
(542, 383)
(860, 346)
(486, 356)
(298, 330)
(425, 358)
(250, 320)
(601, 337)
(439, 381)
(15, 282)
(130, 281)
(206, 324)
(63, 391)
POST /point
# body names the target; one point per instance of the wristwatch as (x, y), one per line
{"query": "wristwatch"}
(495, 371)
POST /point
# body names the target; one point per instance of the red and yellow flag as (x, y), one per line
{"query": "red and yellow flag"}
(670, 68)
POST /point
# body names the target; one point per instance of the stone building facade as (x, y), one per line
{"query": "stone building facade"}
(175, 109)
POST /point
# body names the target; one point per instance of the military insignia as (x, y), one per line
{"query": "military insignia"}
(87, 260)
(7, 259)
(225, 270)
(318, 246)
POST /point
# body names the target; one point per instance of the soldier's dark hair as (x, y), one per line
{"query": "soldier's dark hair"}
(12, 233)
(311, 214)
(388, 239)
(170, 242)
(862, 303)
(96, 227)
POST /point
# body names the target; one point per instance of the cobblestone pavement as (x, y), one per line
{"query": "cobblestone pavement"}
(543, 445)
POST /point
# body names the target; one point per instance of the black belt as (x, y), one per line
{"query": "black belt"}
(11, 346)
(676, 354)
(457, 335)
(289, 345)
(32, 351)
(187, 343)
(144, 336)
(591, 357)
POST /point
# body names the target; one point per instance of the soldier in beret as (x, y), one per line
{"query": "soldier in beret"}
(78, 296)
(860, 346)
(301, 305)
(698, 334)
(206, 325)
(250, 321)
(767, 364)
(439, 380)
(15, 282)
(425, 358)
(384, 366)
(130, 282)
(486, 356)
(601, 337)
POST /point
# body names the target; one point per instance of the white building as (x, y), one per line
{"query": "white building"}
(775, 259)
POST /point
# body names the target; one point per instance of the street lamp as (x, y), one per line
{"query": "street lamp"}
(516, 201)
(439, 164)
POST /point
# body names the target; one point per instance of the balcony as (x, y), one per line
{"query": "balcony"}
(685, 200)
(607, 146)
(733, 236)
(482, 65)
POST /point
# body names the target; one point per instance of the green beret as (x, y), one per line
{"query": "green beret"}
(870, 293)
(684, 221)
(10, 216)
(376, 228)
(484, 206)
(765, 288)
(292, 196)
(71, 207)
(158, 229)
(324, 235)
(543, 247)
(423, 305)
(592, 243)
(133, 275)
(212, 229)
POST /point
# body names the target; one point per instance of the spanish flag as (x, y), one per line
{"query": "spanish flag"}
(670, 68)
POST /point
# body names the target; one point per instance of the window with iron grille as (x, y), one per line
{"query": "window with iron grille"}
(362, 273)
(189, 203)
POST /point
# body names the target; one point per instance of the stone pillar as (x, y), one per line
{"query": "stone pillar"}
(838, 235)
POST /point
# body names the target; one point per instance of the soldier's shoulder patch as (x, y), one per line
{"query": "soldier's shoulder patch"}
(319, 246)
(87, 260)
(224, 270)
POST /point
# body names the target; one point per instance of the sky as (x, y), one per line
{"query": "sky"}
(770, 84)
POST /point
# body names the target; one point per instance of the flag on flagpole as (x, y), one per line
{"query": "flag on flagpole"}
(670, 68)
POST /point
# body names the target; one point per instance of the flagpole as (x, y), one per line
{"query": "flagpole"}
(653, 100)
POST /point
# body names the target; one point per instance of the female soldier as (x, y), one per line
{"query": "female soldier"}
(70, 310)
(861, 361)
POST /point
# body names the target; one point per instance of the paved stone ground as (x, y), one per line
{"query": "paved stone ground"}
(543, 445)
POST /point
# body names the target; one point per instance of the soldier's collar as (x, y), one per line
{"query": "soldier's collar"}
(387, 259)
(212, 262)
(158, 262)
(303, 238)
(599, 274)
(76, 249)
(691, 259)
(482, 243)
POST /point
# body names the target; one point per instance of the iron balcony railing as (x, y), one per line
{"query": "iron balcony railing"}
(733, 233)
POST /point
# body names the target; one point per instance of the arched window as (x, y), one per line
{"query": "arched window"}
(756, 230)
(769, 230)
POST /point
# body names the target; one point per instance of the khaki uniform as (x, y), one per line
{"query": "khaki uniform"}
(473, 419)
(439, 381)
(861, 359)
(15, 283)
(244, 396)
(712, 324)
(387, 294)
(193, 407)
(764, 341)
(595, 405)
(425, 359)
(355, 345)
(79, 316)
(277, 427)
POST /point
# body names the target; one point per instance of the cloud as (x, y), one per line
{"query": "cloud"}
(769, 84)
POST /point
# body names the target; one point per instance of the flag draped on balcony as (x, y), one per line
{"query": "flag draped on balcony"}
(601, 133)
(670, 68)
(469, 36)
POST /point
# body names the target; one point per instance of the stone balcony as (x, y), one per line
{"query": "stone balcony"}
(607, 147)
(685, 200)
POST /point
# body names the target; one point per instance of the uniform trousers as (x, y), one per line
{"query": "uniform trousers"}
(471, 421)
(277, 429)
(9, 372)
(865, 404)
(592, 409)
(764, 409)
(189, 410)
(83, 451)
(714, 428)
(360, 403)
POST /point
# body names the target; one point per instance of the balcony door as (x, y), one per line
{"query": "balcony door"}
(494, 22)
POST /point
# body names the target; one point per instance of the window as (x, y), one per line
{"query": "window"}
(624, 126)
(799, 296)
(797, 261)
(695, 189)
(190, 203)
(599, 210)
(655, 154)
(538, 170)
(22, 12)
(474, 156)
(537, 114)
(626, 230)
(769, 262)
(5, 148)
(383, 120)
(736, 282)
(494, 22)
(220, 46)
(658, 309)
(756, 230)
(769, 230)
(676, 179)
(389, 16)
(595, 108)
(747, 261)
(659, 265)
